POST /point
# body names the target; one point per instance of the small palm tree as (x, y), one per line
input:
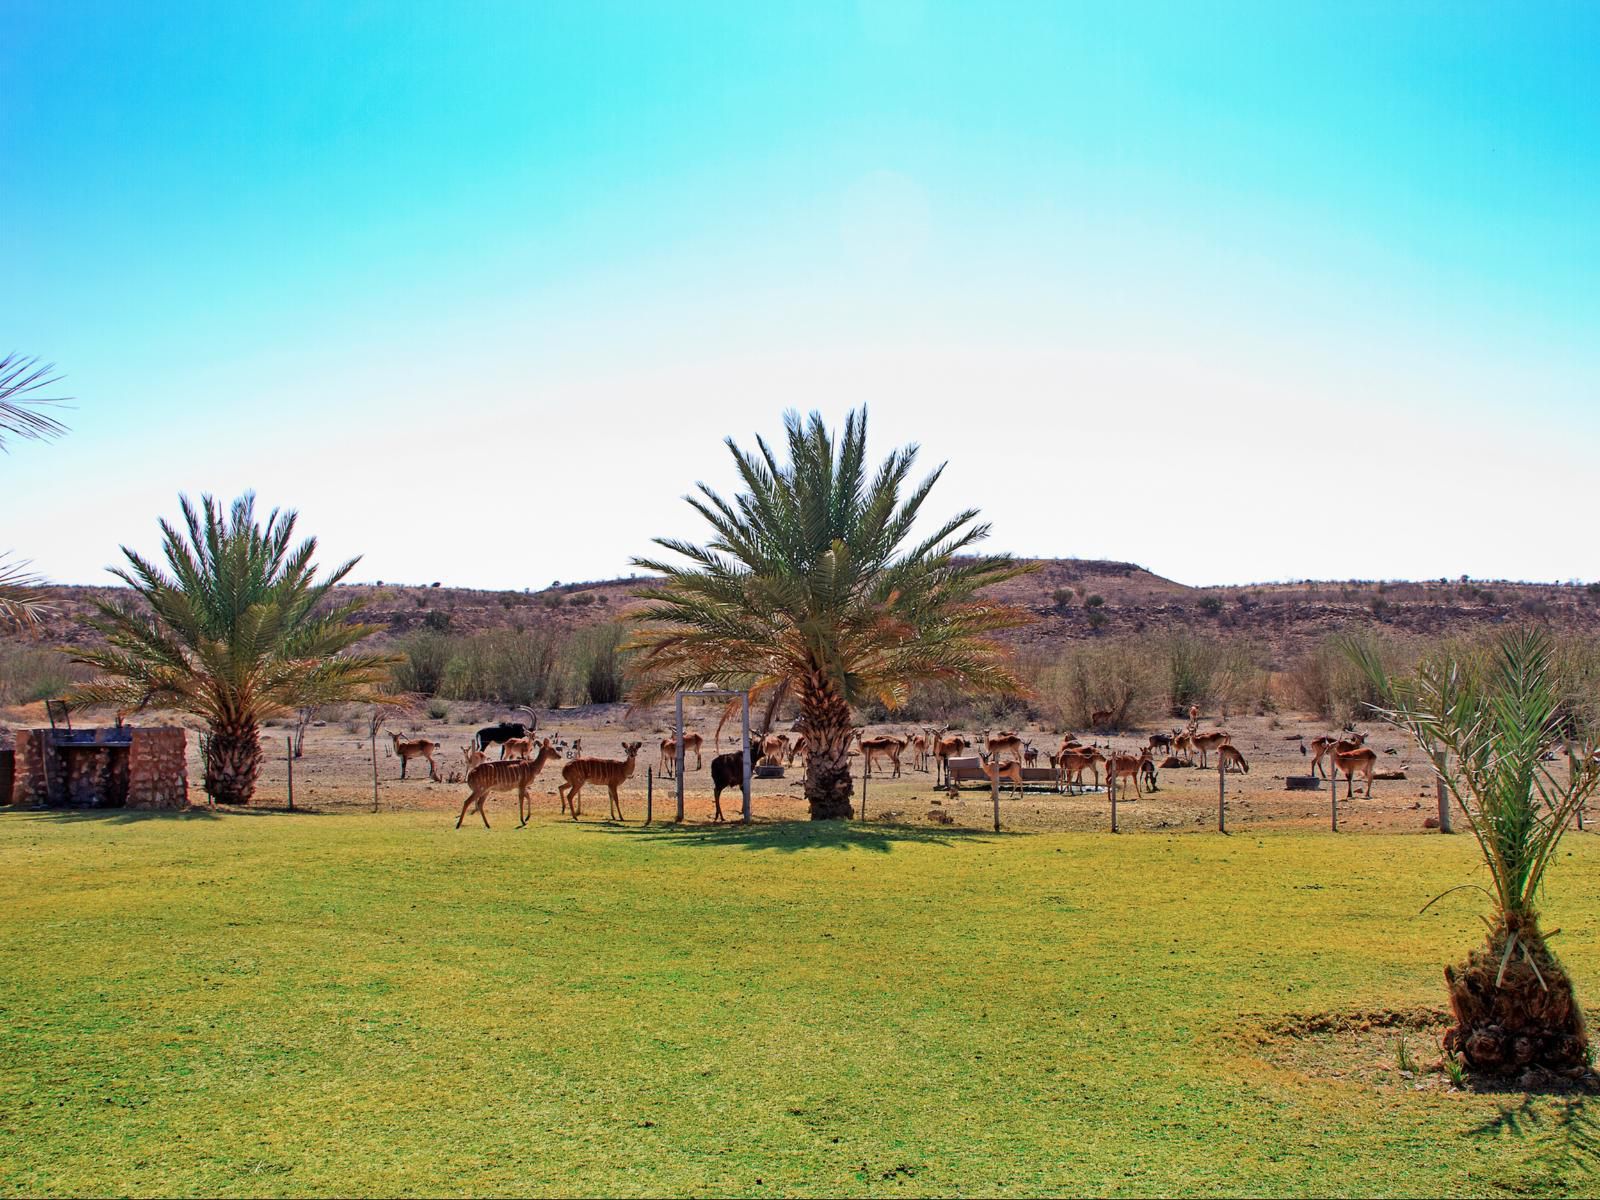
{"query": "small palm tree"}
(241, 630)
(1495, 715)
(21, 380)
(809, 589)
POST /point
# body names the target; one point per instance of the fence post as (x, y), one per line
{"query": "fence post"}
(1111, 786)
(866, 767)
(288, 757)
(1443, 792)
(994, 790)
(1222, 794)
(649, 792)
(1333, 783)
(677, 758)
(745, 730)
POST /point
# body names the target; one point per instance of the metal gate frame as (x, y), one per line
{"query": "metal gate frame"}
(677, 735)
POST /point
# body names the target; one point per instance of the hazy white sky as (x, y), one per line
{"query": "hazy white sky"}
(481, 297)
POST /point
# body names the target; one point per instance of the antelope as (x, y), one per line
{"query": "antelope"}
(1100, 718)
(409, 748)
(796, 748)
(1130, 765)
(1162, 741)
(473, 755)
(883, 743)
(1183, 744)
(774, 746)
(1076, 761)
(946, 748)
(1004, 742)
(1324, 746)
(521, 747)
(1208, 741)
(502, 776)
(691, 741)
(1030, 756)
(1356, 760)
(609, 771)
(487, 737)
(1194, 713)
(726, 771)
(1228, 757)
(1010, 771)
(920, 744)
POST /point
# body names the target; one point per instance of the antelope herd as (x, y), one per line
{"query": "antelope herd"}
(1004, 756)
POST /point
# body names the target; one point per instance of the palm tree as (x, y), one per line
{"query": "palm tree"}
(241, 630)
(809, 590)
(1495, 714)
(21, 379)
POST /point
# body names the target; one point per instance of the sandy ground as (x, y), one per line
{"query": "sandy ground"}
(336, 774)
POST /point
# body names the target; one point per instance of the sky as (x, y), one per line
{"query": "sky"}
(1237, 291)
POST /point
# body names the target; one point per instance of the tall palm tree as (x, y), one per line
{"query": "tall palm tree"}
(239, 631)
(21, 381)
(810, 589)
(1495, 714)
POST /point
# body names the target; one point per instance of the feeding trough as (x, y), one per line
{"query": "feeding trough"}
(1303, 783)
(767, 771)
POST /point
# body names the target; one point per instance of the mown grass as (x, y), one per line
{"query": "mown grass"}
(255, 1004)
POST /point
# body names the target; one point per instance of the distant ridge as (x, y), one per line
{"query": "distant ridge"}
(1071, 599)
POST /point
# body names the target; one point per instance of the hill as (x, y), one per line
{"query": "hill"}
(1071, 599)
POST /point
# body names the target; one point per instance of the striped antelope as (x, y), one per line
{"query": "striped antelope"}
(610, 771)
(409, 748)
(504, 775)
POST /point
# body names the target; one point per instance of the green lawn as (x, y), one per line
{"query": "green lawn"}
(331, 1004)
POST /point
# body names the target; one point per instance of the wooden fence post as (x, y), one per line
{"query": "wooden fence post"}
(288, 757)
(1333, 783)
(994, 791)
(374, 766)
(649, 792)
(866, 767)
(1222, 793)
(1111, 786)
(678, 758)
(1572, 778)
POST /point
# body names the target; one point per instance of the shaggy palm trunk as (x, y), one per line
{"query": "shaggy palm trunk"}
(827, 724)
(1530, 1018)
(233, 757)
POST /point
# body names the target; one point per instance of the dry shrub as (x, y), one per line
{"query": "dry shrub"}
(1120, 677)
(1326, 681)
(30, 673)
(1209, 672)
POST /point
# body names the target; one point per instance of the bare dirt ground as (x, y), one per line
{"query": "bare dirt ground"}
(336, 773)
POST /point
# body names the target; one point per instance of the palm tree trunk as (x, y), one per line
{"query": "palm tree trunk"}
(828, 729)
(233, 757)
(1529, 1019)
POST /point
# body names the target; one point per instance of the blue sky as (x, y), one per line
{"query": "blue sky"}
(1239, 292)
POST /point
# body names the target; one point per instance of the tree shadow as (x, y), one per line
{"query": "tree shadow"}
(790, 837)
(1567, 1121)
(131, 816)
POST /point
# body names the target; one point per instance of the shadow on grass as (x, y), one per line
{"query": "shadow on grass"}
(793, 836)
(129, 816)
(1573, 1130)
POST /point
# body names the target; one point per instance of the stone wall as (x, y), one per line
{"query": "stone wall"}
(149, 769)
(158, 768)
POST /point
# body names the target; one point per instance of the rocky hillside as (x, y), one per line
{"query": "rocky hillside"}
(1071, 599)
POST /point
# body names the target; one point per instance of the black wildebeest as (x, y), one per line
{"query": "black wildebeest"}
(502, 733)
